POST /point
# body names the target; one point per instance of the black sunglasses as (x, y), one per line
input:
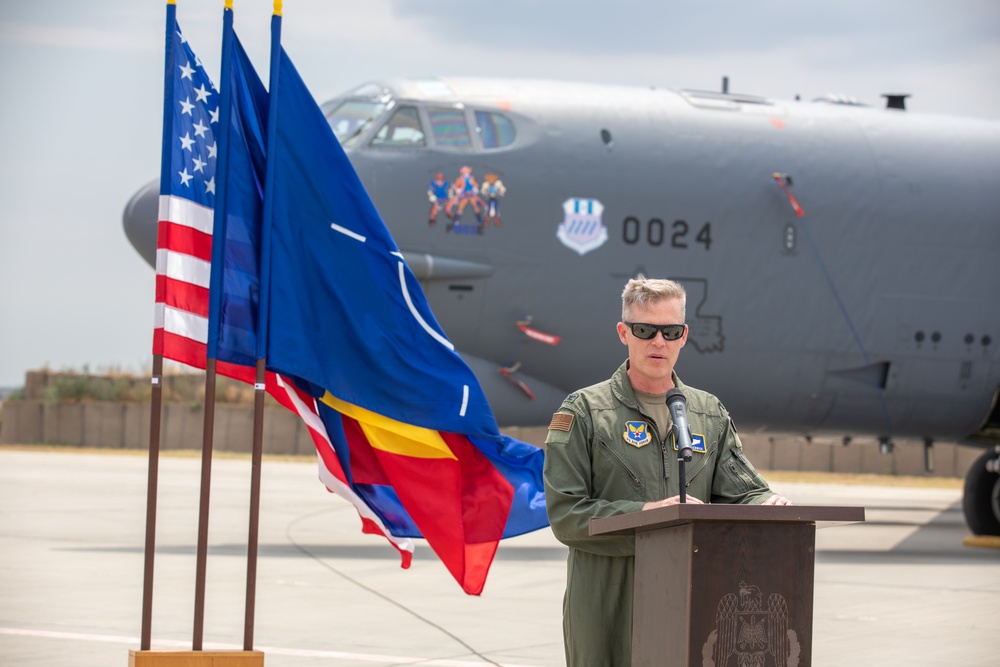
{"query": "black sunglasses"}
(647, 331)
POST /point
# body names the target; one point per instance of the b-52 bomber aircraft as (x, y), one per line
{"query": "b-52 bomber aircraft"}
(841, 261)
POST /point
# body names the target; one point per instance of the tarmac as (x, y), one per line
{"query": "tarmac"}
(898, 589)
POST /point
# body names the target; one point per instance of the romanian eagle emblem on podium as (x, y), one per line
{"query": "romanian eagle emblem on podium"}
(758, 637)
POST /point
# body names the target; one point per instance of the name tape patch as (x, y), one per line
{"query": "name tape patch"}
(697, 442)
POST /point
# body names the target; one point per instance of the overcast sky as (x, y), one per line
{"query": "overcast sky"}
(82, 90)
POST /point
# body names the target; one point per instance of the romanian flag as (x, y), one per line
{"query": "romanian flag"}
(408, 423)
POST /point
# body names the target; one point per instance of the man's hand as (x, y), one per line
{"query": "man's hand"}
(675, 500)
(776, 500)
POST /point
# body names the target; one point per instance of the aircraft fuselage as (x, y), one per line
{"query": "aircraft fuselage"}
(873, 312)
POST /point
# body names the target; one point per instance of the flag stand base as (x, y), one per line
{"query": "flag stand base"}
(138, 658)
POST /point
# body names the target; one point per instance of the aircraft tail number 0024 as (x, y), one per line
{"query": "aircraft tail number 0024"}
(656, 233)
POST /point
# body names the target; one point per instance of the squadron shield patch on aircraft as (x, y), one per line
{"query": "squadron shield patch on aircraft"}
(581, 228)
(840, 259)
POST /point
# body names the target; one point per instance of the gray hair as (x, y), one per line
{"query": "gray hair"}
(642, 292)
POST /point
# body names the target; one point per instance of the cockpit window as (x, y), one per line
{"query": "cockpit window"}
(352, 117)
(495, 130)
(450, 129)
(403, 129)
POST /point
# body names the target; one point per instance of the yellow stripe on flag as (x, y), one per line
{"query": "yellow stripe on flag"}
(392, 436)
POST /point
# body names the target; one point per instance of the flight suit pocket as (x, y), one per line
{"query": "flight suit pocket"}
(623, 468)
(739, 473)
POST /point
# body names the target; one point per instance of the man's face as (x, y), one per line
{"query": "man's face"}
(651, 361)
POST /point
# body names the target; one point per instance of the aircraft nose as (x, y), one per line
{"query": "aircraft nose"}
(140, 220)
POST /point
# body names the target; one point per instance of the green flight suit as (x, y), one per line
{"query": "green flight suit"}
(592, 470)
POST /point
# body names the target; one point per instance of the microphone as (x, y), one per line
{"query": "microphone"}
(677, 404)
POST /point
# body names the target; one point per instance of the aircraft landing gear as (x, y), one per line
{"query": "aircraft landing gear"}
(981, 501)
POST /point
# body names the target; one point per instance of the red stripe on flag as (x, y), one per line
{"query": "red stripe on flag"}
(184, 350)
(183, 239)
(371, 528)
(181, 295)
(158, 341)
(246, 374)
(330, 462)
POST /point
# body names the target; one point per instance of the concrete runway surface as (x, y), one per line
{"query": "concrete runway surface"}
(898, 589)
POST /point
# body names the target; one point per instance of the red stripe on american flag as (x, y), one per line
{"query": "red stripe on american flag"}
(179, 238)
(158, 341)
(371, 528)
(181, 295)
(182, 349)
(332, 473)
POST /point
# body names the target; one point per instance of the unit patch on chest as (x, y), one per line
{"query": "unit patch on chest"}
(637, 434)
(697, 442)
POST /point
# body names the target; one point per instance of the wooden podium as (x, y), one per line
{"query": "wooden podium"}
(724, 585)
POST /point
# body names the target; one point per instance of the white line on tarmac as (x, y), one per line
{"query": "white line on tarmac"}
(270, 650)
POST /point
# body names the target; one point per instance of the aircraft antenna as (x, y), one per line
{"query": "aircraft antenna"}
(895, 100)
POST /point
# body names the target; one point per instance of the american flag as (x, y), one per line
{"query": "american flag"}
(184, 261)
(187, 200)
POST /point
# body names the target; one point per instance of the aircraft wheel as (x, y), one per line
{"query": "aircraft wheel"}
(981, 501)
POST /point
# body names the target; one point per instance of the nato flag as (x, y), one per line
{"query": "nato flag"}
(345, 311)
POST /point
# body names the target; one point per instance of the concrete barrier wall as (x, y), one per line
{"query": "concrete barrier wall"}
(126, 426)
(790, 452)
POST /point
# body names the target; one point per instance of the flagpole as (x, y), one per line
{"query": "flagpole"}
(151, 490)
(215, 300)
(253, 532)
(208, 427)
(156, 397)
(260, 380)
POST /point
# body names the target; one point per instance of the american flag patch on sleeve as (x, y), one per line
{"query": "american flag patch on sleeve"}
(561, 422)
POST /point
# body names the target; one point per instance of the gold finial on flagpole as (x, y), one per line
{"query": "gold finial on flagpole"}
(229, 4)
(277, 7)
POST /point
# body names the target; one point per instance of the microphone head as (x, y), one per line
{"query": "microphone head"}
(675, 395)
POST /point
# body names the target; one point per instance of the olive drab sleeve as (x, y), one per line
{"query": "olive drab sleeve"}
(569, 496)
(736, 480)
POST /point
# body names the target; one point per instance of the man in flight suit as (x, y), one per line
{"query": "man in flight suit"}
(610, 451)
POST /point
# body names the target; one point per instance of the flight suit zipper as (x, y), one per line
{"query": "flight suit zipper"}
(707, 456)
(664, 452)
(636, 480)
